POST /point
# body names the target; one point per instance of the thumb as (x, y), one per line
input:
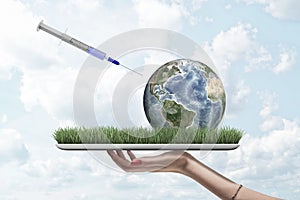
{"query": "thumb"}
(136, 162)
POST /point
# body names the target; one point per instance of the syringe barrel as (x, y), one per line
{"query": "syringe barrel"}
(63, 36)
(97, 53)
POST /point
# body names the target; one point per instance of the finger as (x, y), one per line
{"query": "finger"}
(111, 153)
(118, 160)
(131, 155)
(113, 156)
(120, 154)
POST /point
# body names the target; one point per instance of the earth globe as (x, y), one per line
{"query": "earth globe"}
(184, 93)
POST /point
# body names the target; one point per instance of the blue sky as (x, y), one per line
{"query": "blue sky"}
(254, 45)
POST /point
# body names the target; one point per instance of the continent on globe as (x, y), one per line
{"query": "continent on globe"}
(184, 93)
(176, 114)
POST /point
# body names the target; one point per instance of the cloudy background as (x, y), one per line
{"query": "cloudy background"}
(253, 43)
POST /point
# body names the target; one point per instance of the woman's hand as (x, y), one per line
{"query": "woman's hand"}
(184, 163)
(173, 161)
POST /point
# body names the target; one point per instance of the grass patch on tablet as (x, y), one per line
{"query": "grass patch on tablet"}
(107, 135)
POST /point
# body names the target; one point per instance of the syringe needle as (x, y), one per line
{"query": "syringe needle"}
(131, 70)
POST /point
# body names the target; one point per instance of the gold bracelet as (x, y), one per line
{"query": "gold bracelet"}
(233, 197)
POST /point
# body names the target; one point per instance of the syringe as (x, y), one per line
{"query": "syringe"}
(90, 50)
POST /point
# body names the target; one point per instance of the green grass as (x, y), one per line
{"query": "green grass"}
(106, 135)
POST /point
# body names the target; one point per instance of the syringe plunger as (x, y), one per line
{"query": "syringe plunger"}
(64, 37)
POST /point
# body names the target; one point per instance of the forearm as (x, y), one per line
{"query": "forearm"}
(210, 179)
(218, 184)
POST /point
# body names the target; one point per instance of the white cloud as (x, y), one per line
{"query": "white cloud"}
(241, 92)
(73, 175)
(269, 104)
(237, 97)
(287, 60)
(150, 186)
(6, 66)
(158, 57)
(87, 5)
(167, 14)
(271, 123)
(271, 155)
(228, 6)
(12, 147)
(209, 19)
(51, 88)
(260, 59)
(154, 13)
(55, 167)
(4, 118)
(9, 39)
(238, 43)
(20, 44)
(60, 171)
(196, 4)
(288, 9)
(231, 45)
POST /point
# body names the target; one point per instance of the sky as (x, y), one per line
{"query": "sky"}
(254, 45)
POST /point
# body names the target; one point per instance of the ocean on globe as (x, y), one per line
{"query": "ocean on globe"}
(184, 93)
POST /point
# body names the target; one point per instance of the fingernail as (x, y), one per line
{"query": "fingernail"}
(136, 162)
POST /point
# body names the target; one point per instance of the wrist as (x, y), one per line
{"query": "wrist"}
(183, 162)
